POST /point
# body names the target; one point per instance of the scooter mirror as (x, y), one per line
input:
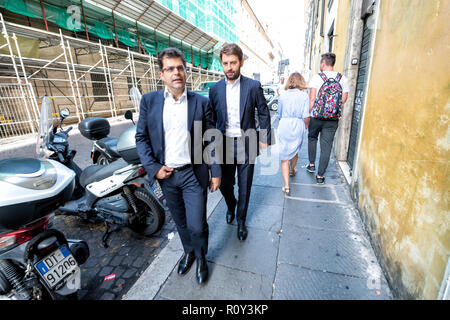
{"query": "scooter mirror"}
(64, 113)
(129, 115)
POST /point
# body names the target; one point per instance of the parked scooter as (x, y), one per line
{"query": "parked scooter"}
(104, 148)
(115, 193)
(36, 261)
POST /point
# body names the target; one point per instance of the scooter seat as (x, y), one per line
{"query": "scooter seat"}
(110, 144)
(96, 173)
(19, 166)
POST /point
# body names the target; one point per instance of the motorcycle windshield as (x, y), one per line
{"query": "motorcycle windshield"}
(45, 128)
(135, 97)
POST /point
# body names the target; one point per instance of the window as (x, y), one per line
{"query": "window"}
(130, 84)
(330, 38)
(322, 19)
(99, 89)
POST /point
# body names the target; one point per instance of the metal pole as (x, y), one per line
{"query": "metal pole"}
(30, 88)
(84, 18)
(104, 55)
(131, 64)
(75, 79)
(139, 41)
(69, 74)
(115, 31)
(43, 13)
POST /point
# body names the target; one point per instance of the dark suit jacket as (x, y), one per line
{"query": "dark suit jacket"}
(252, 97)
(150, 142)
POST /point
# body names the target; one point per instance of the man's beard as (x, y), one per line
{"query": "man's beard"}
(235, 76)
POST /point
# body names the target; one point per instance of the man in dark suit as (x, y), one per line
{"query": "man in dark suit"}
(234, 100)
(171, 124)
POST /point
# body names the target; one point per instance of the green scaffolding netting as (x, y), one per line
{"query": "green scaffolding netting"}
(99, 22)
(101, 30)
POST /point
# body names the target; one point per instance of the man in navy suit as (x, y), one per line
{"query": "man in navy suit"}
(234, 100)
(169, 137)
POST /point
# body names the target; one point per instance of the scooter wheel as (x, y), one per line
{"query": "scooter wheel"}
(152, 211)
(102, 160)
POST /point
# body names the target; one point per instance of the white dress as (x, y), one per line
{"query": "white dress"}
(293, 107)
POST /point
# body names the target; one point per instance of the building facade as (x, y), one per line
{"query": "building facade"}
(393, 139)
(261, 55)
(86, 55)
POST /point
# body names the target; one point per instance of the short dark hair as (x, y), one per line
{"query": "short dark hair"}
(170, 53)
(329, 59)
(232, 48)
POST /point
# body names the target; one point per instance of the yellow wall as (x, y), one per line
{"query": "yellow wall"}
(341, 32)
(403, 179)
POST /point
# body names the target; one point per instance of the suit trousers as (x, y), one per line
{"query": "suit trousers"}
(186, 201)
(237, 159)
(327, 130)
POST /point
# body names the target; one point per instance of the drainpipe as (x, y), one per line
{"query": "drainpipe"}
(43, 14)
(84, 19)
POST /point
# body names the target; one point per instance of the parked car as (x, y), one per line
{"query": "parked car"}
(271, 95)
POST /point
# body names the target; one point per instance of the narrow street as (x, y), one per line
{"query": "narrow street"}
(311, 245)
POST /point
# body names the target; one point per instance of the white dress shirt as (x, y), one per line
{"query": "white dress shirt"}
(176, 133)
(233, 97)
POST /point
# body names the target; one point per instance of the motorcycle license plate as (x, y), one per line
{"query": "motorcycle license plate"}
(56, 266)
(158, 191)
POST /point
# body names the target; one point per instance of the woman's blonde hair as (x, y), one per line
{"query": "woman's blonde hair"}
(296, 81)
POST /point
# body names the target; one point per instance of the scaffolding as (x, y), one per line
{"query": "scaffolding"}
(88, 78)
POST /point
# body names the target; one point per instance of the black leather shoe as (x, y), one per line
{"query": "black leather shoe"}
(230, 216)
(186, 262)
(202, 270)
(242, 231)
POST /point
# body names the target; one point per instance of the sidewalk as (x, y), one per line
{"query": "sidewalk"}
(311, 245)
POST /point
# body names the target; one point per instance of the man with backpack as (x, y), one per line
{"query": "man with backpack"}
(328, 92)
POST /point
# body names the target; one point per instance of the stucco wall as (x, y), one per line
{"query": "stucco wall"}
(341, 32)
(402, 182)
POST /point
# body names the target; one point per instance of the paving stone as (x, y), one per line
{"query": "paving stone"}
(303, 176)
(256, 254)
(275, 181)
(107, 285)
(124, 250)
(118, 271)
(117, 260)
(108, 296)
(239, 285)
(266, 195)
(333, 251)
(313, 192)
(296, 283)
(129, 273)
(258, 216)
(105, 271)
(322, 215)
(118, 286)
(138, 262)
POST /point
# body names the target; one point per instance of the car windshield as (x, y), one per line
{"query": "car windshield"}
(45, 127)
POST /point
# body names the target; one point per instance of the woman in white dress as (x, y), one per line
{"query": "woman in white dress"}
(293, 110)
